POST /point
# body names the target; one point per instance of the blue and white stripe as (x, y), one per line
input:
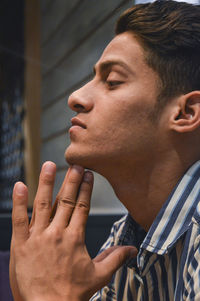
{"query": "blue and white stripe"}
(168, 262)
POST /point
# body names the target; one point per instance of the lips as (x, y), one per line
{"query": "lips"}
(77, 122)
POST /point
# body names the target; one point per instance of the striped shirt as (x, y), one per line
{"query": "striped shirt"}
(167, 266)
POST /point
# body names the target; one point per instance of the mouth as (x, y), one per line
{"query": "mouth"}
(77, 122)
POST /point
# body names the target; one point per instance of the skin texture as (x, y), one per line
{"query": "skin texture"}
(123, 138)
(115, 134)
(49, 260)
(114, 106)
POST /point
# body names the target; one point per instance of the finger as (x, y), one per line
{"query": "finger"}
(81, 211)
(66, 199)
(104, 254)
(34, 205)
(113, 259)
(43, 199)
(20, 220)
(54, 209)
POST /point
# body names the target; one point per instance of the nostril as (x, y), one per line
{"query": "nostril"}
(78, 106)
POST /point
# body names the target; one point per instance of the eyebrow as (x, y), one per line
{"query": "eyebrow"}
(109, 63)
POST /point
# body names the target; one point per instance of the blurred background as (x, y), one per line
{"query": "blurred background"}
(47, 50)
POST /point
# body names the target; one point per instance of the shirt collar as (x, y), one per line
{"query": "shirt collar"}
(175, 217)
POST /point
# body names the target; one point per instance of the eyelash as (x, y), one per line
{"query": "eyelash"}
(113, 83)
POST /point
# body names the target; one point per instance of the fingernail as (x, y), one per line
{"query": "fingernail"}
(49, 167)
(88, 177)
(20, 188)
(78, 169)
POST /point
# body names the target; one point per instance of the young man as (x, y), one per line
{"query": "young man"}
(137, 124)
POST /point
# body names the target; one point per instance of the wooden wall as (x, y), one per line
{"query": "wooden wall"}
(73, 36)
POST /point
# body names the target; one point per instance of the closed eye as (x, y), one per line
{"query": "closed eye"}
(113, 83)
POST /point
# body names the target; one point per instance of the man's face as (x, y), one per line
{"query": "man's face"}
(113, 121)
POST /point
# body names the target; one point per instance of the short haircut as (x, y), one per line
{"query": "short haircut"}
(169, 33)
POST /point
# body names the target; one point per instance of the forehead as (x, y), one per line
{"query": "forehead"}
(124, 47)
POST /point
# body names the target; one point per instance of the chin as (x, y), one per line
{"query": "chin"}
(73, 158)
(70, 157)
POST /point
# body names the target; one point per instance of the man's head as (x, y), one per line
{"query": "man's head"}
(169, 32)
(140, 68)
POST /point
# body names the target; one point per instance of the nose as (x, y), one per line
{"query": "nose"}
(81, 100)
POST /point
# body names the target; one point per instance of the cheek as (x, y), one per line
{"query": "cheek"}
(112, 129)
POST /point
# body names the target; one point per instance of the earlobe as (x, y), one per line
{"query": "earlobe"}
(186, 117)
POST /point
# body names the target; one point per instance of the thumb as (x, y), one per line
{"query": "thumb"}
(110, 260)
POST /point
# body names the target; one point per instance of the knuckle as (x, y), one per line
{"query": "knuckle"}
(20, 221)
(43, 204)
(84, 206)
(120, 258)
(76, 236)
(54, 234)
(66, 202)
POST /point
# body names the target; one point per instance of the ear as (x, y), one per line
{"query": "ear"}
(186, 113)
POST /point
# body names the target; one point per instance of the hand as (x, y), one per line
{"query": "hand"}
(49, 259)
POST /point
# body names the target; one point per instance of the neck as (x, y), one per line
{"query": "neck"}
(143, 188)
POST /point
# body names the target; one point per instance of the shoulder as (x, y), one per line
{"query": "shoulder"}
(191, 271)
(108, 292)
